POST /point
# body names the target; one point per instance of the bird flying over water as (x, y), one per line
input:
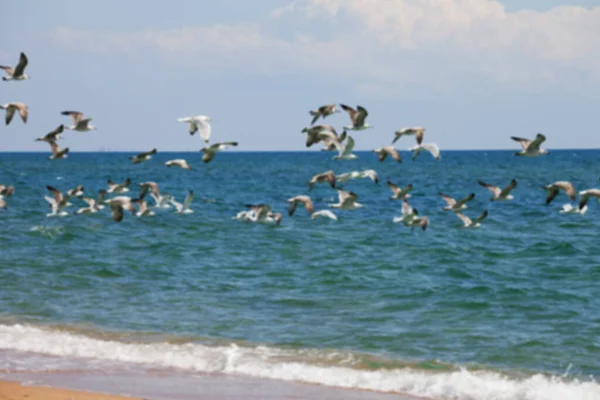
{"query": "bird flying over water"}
(585, 196)
(324, 177)
(185, 207)
(79, 123)
(52, 136)
(456, 205)
(142, 157)
(199, 123)
(418, 132)
(57, 202)
(57, 153)
(383, 152)
(410, 217)
(398, 193)
(209, 152)
(323, 111)
(367, 173)
(11, 108)
(345, 150)
(531, 148)
(118, 188)
(555, 187)
(180, 162)
(468, 223)
(430, 147)
(499, 194)
(16, 73)
(304, 200)
(357, 117)
(347, 200)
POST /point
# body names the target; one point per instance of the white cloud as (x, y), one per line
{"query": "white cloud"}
(383, 41)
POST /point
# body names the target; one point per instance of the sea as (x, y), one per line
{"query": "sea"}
(361, 306)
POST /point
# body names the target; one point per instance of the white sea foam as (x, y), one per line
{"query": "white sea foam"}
(273, 363)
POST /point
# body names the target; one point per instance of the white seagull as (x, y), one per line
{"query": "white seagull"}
(179, 162)
(345, 150)
(324, 214)
(570, 209)
(410, 217)
(57, 202)
(209, 152)
(79, 123)
(499, 194)
(430, 147)
(199, 123)
(347, 201)
(456, 205)
(418, 132)
(11, 108)
(143, 209)
(357, 117)
(94, 205)
(531, 148)
(468, 223)
(16, 73)
(118, 188)
(367, 173)
(185, 207)
(398, 193)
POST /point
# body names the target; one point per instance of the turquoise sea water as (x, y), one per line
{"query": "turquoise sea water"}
(360, 302)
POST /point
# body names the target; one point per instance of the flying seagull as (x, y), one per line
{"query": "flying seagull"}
(143, 209)
(555, 187)
(383, 152)
(57, 153)
(345, 150)
(209, 152)
(118, 205)
(76, 192)
(417, 132)
(94, 205)
(118, 188)
(347, 201)
(5, 191)
(531, 148)
(430, 147)
(16, 73)
(468, 223)
(179, 162)
(52, 136)
(499, 194)
(324, 214)
(398, 193)
(199, 123)
(367, 173)
(456, 205)
(323, 111)
(324, 177)
(357, 117)
(79, 123)
(11, 108)
(304, 200)
(185, 207)
(410, 217)
(58, 201)
(142, 157)
(325, 133)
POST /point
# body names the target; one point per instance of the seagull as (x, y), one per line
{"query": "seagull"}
(456, 205)
(324, 214)
(383, 152)
(185, 207)
(531, 148)
(328, 176)
(209, 152)
(118, 204)
(143, 209)
(116, 211)
(332, 144)
(585, 196)
(323, 111)
(149, 186)
(318, 133)
(118, 188)
(52, 136)
(304, 200)
(93, 206)
(357, 117)
(262, 213)
(555, 187)
(245, 215)
(161, 201)
(2, 203)
(410, 217)
(417, 132)
(11, 108)
(199, 123)
(76, 192)
(345, 151)
(498, 193)
(430, 147)
(6, 191)
(16, 73)
(570, 209)
(79, 124)
(399, 193)
(180, 162)
(142, 157)
(367, 173)
(347, 200)
(58, 201)
(57, 153)
(468, 223)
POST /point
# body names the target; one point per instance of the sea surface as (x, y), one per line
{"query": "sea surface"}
(510, 310)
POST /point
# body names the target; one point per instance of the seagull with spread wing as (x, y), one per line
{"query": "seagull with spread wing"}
(80, 124)
(531, 148)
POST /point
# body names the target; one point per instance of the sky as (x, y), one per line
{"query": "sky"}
(472, 72)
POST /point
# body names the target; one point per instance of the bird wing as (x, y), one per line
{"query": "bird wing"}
(76, 115)
(90, 202)
(21, 65)
(55, 148)
(10, 113)
(466, 199)
(568, 188)
(348, 147)
(552, 193)
(510, 187)
(481, 217)
(223, 145)
(204, 128)
(393, 153)
(188, 199)
(361, 116)
(536, 143)
(419, 135)
(494, 189)
(407, 209)
(116, 211)
(432, 148)
(371, 174)
(449, 200)
(351, 112)
(9, 70)
(82, 124)
(58, 197)
(23, 111)
(394, 188)
(466, 220)
(523, 142)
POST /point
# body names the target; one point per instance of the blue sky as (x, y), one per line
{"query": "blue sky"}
(472, 72)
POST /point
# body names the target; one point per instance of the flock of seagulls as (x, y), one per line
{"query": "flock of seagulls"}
(343, 144)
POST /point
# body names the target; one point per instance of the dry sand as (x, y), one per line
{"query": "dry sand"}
(16, 391)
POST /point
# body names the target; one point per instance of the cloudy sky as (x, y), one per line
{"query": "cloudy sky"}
(472, 72)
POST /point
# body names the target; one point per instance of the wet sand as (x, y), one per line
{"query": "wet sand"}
(16, 391)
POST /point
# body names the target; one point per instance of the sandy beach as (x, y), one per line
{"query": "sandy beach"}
(16, 391)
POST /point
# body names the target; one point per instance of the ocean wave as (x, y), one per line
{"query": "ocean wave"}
(329, 368)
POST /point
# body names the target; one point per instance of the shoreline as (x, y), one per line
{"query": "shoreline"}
(12, 390)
